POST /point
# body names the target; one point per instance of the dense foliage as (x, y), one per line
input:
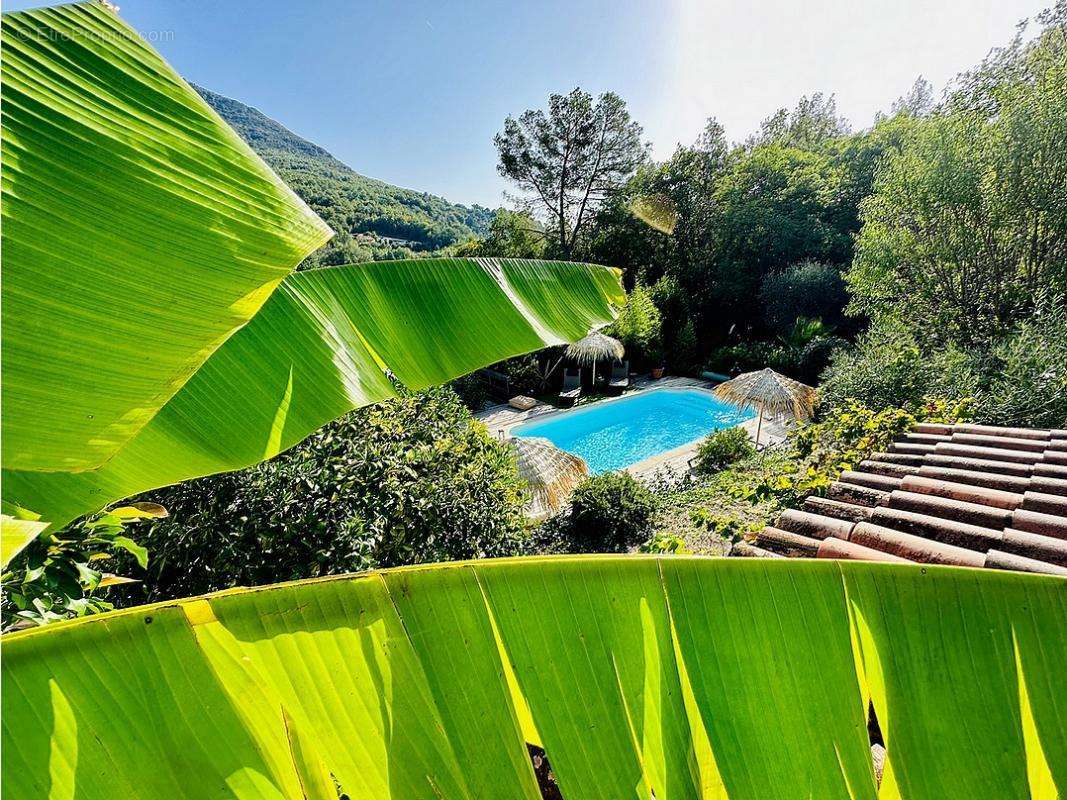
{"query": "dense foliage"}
(721, 449)
(805, 290)
(610, 513)
(968, 217)
(411, 480)
(66, 574)
(1020, 379)
(373, 219)
(961, 263)
(512, 234)
(743, 213)
(639, 328)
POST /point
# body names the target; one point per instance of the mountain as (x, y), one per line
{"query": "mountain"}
(373, 219)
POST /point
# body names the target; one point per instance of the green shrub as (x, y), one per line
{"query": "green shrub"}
(713, 507)
(706, 511)
(777, 478)
(685, 358)
(845, 436)
(750, 355)
(1019, 380)
(663, 542)
(472, 390)
(727, 526)
(65, 574)
(610, 513)
(721, 449)
(820, 451)
(551, 537)
(889, 368)
(802, 353)
(638, 327)
(410, 480)
(807, 289)
(1028, 375)
(673, 305)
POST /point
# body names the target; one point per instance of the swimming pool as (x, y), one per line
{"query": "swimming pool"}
(614, 434)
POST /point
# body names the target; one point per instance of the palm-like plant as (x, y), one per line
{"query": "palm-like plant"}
(161, 336)
(153, 329)
(682, 677)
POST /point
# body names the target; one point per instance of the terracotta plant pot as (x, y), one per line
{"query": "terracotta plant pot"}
(657, 373)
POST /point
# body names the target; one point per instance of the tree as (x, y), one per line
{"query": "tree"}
(568, 160)
(967, 224)
(773, 205)
(512, 234)
(806, 289)
(810, 126)
(789, 195)
(918, 102)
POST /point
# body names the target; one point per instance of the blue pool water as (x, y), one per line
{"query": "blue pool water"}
(615, 434)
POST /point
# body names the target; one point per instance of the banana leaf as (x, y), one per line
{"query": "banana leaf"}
(665, 677)
(15, 534)
(320, 346)
(153, 329)
(139, 232)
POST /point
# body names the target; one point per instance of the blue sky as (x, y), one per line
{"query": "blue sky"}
(412, 92)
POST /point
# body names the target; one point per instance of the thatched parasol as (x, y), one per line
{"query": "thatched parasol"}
(769, 393)
(595, 347)
(550, 473)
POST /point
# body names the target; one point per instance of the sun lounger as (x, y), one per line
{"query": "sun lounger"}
(572, 388)
(620, 378)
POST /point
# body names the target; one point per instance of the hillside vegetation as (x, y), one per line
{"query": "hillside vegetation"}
(373, 219)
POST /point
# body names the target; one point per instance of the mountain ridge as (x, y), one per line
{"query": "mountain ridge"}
(373, 219)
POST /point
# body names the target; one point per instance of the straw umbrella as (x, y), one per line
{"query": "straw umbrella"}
(769, 393)
(550, 473)
(593, 348)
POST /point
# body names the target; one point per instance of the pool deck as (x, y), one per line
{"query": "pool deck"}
(501, 419)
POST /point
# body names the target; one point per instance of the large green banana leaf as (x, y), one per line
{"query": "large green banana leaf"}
(319, 348)
(665, 677)
(139, 232)
(152, 329)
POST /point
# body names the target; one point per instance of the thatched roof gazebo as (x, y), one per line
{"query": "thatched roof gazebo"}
(596, 347)
(768, 393)
(550, 473)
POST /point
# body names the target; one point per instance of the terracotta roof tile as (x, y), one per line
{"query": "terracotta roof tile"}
(970, 495)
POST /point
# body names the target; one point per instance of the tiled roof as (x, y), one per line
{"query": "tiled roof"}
(969, 495)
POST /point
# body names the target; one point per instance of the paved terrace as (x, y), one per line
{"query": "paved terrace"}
(501, 419)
